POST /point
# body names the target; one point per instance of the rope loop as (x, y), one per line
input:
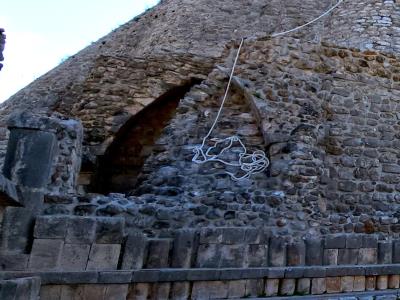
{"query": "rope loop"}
(249, 163)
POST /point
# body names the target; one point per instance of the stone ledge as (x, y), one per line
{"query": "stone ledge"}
(174, 275)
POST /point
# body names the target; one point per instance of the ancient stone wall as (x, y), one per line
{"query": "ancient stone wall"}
(163, 48)
(365, 25)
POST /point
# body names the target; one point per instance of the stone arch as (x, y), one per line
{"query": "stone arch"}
(117, 169)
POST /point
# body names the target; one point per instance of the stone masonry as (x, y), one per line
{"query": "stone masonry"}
(100, 199)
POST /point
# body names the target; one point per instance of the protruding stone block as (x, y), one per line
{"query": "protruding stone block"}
(333, 285)
(209, 256)
(348, 256)
(277, 252)
(359, 284)
(232, 256)
(256, 256)
(180, 290)
(367, 256)
(318, 286)
(159, 251)
(303, 286)
(335, 241)
(382, 282)
(370, 283)
(50, 227)
(103, 257)
(331, 256)
(347, 284)
(81, 230)
(16, 229)
(354, 241)
(29, 157)
(185, 244)
(139, 291)
(271, 287)
(394, 282)
(385, 252)
(110, 230)
(296, 253)
(45, 254)
(135, 253)
(287, 287)
(74, 257)
(236, 289)
(116, 291)
(314, 252)
(254, 287)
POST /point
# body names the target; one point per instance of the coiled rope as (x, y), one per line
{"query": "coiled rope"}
(249, 163)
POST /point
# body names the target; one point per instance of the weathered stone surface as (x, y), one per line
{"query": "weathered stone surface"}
(135, 252)
(277, 252)
(385, 252)
(370, 283)
(159, 253)
(80, 230)
(359, 284)
(296, 254)
(103, 257)
(271, 287)
(184, 249)
(254, 287)
(109, 230)
(318, 286)
(180, 290)
(45, 254)
(287, 287)
(382, 282)
(51, 227)
(333, 285)
(74, 257)
(303, 286)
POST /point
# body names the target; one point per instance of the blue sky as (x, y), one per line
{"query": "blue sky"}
(41, 33)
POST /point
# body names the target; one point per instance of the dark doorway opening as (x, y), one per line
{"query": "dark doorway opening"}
(117, 170)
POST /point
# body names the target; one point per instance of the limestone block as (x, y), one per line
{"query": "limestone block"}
(81, 230)
(17, 228)
(208, 256)
(314, 252)
(367, 256)
(234, 235)
(110, 230)
(254, 287)
(92, 291)
(184, 248)
(287, 287)
(333, 285)
(347, 284)
(50, 227)
(45, 254)
(139, 291)
(135, 252)
(180, 290)
(277, 252)
(331, 256)
(318, 286)
(209, 290)
(232, 256)
(29, 157)
(8, 193)
(256, 256)
(103, 257)
(116, 292)
(14, 262)
(74, 257)
(385, 252)
(236, 289)
(158, 253)
(211, 235)
(359, 284)
(370, 283)
(296, 253)
(348, 256)
(394, 282)
(303, 286)
(354, 241)
(271, 287)
(382, 282)
(50, 292)
(335, 241)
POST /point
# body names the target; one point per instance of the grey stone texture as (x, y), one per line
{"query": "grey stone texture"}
(2, 45)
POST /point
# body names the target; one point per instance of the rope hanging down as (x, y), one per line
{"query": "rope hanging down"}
(255, 162)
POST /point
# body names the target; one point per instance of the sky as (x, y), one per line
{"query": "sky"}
(43, 33)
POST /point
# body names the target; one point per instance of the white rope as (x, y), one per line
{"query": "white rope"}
(257, 161)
